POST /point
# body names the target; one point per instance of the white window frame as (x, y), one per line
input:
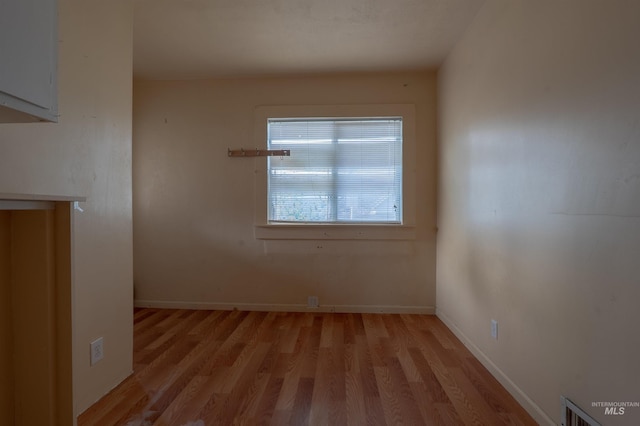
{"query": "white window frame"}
(338, 231)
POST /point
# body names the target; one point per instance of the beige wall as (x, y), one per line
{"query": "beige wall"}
(194, 207)
(88, 153)
(539, 199)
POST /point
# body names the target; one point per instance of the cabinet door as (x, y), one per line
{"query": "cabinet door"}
(28, 45)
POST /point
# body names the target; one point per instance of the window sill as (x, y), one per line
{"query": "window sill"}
(308, 231)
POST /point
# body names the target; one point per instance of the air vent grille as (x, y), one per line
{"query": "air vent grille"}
(572, 415)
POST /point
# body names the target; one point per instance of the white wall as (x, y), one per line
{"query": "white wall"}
(539, 199)
(88, 153)
(194, 208)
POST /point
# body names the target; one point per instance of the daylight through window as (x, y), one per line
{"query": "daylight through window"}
(346, 170)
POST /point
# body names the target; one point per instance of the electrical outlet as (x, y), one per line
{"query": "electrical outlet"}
(312, 302)
(97, 350)
(494, 329)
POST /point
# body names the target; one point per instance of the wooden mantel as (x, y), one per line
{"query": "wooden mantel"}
(10, 201)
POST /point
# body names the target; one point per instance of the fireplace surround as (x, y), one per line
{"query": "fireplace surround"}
(36, 329)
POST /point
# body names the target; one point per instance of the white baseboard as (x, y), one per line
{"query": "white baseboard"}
(268, 307)
(523, 399)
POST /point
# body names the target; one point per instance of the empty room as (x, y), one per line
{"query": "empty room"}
(301, 212)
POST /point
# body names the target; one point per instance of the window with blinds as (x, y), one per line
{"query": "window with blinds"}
(345, 170)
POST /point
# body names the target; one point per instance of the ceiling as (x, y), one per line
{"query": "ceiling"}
(190, 39)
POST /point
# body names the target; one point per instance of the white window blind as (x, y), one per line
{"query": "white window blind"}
(346, 170)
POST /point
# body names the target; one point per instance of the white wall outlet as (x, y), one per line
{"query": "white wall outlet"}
(97, 350)
(312, 302)
(494, 329)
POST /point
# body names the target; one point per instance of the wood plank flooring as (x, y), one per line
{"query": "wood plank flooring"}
(202, 368)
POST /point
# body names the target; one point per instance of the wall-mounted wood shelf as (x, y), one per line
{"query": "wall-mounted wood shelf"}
(258, 152)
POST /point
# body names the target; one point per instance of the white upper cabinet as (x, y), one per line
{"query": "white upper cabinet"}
(28, 61)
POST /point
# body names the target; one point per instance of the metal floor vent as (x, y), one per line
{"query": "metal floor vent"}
(572, 415)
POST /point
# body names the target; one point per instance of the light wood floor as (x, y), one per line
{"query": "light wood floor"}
(201, 368)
